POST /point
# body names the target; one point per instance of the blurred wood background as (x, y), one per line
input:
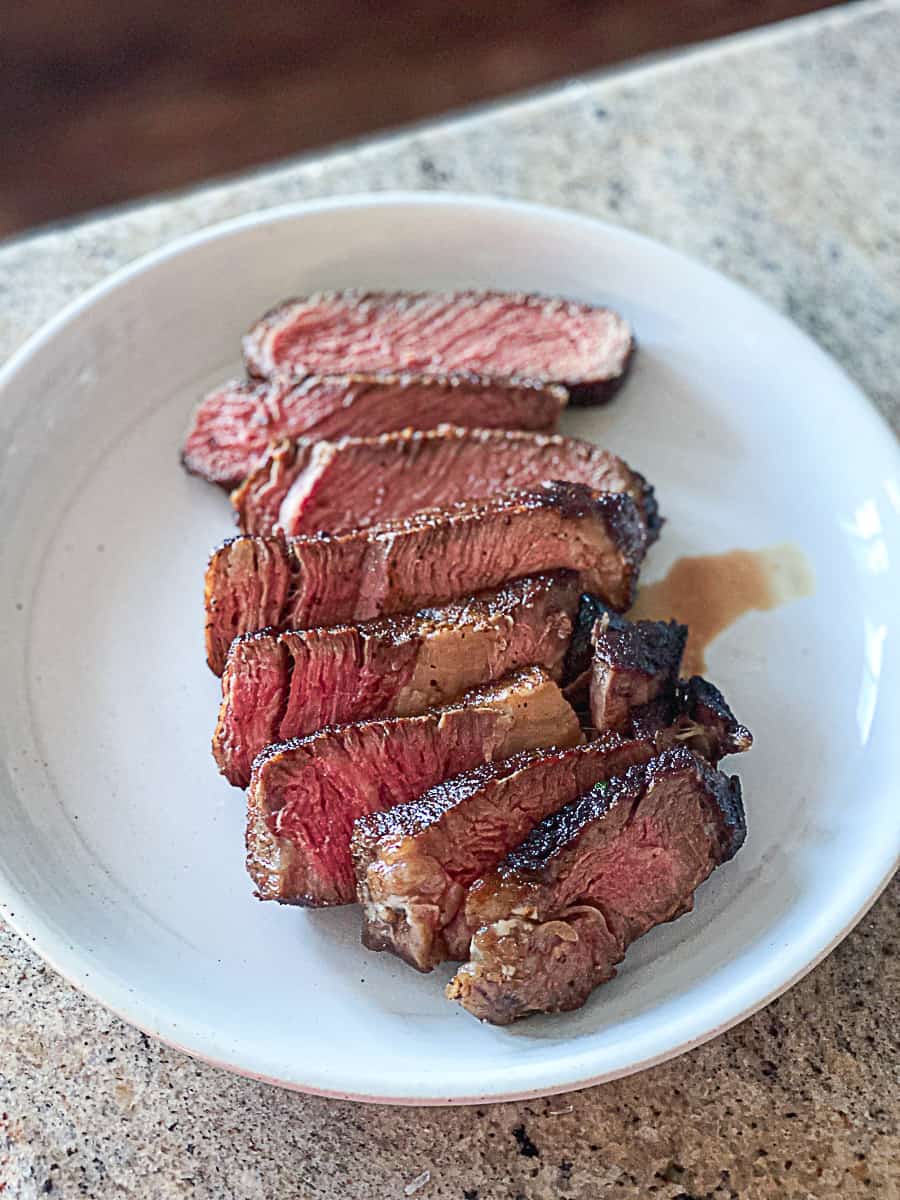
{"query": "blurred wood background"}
(103, 102)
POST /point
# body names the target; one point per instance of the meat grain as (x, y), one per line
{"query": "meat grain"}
(259, 582)
(234, 426)
(305, 794)
(586, 349)
(557, 915)
(303, 487)
(280, 686)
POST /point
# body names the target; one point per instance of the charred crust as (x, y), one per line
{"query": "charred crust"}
(650, 647)
(569, 499)
(653, 718)
(626, 526)
(590, 393)
(698, 693)
(617, 510)
(298, 901)
(581, 647)
(729, 799)
(557, 831)
(650, 507)
(411, 818)
(702, 702)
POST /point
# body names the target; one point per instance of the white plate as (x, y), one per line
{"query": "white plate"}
(121, 850)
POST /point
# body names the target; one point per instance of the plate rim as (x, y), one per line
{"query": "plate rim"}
(66, 959)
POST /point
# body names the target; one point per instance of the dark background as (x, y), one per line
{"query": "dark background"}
(103, 101)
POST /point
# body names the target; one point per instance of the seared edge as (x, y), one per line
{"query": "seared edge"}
(415, 861)
(531, 859)
(248, 581)
(547, 937)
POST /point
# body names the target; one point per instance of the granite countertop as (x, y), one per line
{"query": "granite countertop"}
(774, 157)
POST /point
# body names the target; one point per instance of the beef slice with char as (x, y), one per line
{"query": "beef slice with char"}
(415, 862)
(634, 664)
(358, 481)
(235, 424)
(557, 915)
(281, 686)
(585, 348)
(305, 794)
(705, 722)
(255, 582)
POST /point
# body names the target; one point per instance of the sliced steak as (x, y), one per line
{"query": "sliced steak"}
(305, 794)
(558, 914)
(632, 668)
(355, 482)
(635, 663)
(280, 686)
(414, 862)
(235, 424)
(586, 349)
(400, 566)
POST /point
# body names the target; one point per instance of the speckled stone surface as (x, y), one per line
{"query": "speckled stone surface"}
(776, 158)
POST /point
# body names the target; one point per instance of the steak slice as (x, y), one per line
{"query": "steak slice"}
(415, 861)
(559, 912)
(234, 425)
(356, 481)
(305, 794)
(400, 566)
(635, 663)
(280, 686)
(586, 349)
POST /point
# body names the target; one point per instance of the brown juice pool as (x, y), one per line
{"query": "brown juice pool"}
(709, 592)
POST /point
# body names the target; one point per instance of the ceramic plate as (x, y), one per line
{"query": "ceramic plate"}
(121, 849)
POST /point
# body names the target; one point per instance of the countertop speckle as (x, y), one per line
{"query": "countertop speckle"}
(774, 157)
